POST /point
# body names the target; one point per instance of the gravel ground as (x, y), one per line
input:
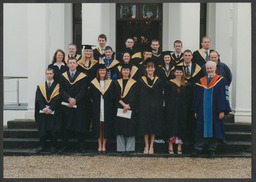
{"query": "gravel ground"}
(124, 167)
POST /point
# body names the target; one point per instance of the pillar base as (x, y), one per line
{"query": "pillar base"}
(243, 116)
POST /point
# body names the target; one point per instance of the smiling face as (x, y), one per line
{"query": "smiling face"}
(108, 53)
(88, 53)
(125, 72)
(59, 56)
(102, 72)
(167, 59)
(178, 73)
(214, 57)
(72, 49)
(150, 69)
(210, 69)
(126, 58)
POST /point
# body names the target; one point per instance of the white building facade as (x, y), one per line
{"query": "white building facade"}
(33, 32)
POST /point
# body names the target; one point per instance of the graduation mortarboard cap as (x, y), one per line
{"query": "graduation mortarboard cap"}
(178, 67)
(86, 46)
(149, 60)
(101, 66)
(147, 49)
(165, 53)
(126, 66)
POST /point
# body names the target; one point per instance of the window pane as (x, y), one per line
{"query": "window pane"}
(150, 11)
(128, 11)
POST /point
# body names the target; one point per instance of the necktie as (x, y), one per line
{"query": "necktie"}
(210, 79)
(72, 75)
(49, 84)
(188, 72)
(207, 56)
(178, 56)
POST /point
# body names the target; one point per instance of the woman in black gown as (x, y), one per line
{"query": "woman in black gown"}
(150, 106)
(102, 94)
(125, 128)
(177, 110)
(58, 64)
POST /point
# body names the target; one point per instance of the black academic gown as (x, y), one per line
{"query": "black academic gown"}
(150, 106)
(109, 106)
(113, 68)
(135, 73)
(192, 79)
(177, 110)
(77, 56)
(50, 97)
(175, 61)
(199, 57)
(58, 72)
(157, 58)
(163, 74)
(75, 119)
(127, 94)
(90, 71)
(98, 55)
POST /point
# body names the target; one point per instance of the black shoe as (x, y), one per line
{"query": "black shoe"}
(195, 153)
(40, 149)
(61, 151)
(53, 150)
(81, 150)
(211, 154)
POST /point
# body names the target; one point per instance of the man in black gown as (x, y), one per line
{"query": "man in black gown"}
(73, 90)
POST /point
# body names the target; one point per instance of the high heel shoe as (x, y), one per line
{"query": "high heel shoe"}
(151, 151)
(145, 151)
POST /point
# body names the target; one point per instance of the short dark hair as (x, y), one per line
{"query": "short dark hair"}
(102, 36)
(155, 40)
(71, 58)
(205, 37)
(49, 69)
(108, 48)
(177, 42)
(214, 52)
(187, 50)
(72, 45)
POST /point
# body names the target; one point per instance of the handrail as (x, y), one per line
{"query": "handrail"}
(15, 77)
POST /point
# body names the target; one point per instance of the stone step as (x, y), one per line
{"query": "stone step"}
(91, 144)
(33, 133)
(21, 123)
(238, 127)
(31, 152)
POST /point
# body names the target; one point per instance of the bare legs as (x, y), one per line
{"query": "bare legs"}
(102, 141)
(149, 149)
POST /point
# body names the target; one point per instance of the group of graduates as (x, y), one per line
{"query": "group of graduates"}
(169, 95)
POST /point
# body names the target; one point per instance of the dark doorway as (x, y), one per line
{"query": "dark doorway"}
(142, 22)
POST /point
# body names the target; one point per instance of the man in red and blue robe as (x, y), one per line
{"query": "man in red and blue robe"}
(211, 103)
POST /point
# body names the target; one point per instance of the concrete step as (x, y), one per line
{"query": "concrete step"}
(91, 144)
(32, 152)
(22, 123)
(238, 136)
(238, 127)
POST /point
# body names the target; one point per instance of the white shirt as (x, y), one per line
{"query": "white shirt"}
(50, 82)
(207, 52)
(177, 55)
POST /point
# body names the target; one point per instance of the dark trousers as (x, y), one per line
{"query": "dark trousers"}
(210, 142)
(53, 139)
(68, 134)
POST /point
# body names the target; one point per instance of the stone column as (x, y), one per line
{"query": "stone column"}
(99, 18)
(241, 66)
(181, 21)
(38, 54)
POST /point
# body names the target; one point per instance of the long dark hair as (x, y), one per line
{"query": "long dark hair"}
(98, 75)
(162, 63)
(54, 60)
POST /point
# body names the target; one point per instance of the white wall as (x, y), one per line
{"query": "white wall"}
(181, 22)
(99, 18)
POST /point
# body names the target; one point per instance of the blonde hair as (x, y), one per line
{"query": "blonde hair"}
(84, 57)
